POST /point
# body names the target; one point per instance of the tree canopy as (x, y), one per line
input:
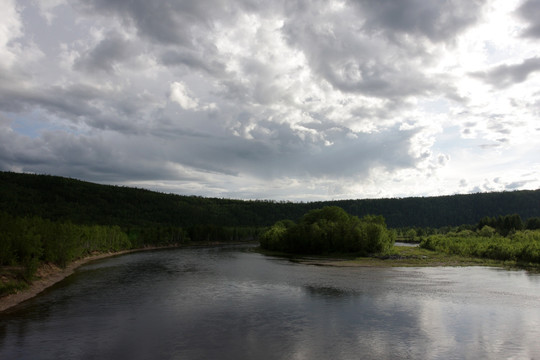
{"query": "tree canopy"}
(62, 199)
(329, 230)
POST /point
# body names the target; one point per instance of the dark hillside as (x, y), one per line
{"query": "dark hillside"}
(58, 198)
(451, 210)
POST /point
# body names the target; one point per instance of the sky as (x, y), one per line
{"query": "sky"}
(290, 100)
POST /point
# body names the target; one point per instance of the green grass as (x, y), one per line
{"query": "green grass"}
(521, 248)
(406, 256)
(403, 256)
(416, 256)
(12, 287)
(11, 280)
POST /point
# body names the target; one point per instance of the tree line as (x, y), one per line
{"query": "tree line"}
(63, 199)
(28, 242)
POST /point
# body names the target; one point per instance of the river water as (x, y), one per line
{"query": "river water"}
(231, 303)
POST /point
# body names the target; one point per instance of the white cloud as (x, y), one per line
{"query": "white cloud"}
(180, 95)
(10, 29)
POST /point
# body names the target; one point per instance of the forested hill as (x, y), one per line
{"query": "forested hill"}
(64, 199)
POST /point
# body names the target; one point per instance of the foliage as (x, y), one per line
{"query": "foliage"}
(62, 199)
(486, 231)
(520, 246)
(329, 229)
(502, 224)
(532, 223)
(29, 241)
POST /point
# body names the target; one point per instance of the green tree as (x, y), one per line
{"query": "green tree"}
(486, 231)
(532, 223)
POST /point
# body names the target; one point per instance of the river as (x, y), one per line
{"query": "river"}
(230, 303)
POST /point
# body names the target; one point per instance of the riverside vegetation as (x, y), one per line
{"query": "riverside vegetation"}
(48, 219)
(502, 240)
(330, 230)
(520, 247)
(26, 243)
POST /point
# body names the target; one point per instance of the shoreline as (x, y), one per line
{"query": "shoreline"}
(402, 256)
(52, 274)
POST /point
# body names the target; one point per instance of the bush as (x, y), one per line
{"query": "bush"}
(486, 231)
(523, 246)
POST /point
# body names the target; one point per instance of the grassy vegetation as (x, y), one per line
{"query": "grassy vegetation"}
(521, 247)
(400, 256)
(11, 280)
(417, 256)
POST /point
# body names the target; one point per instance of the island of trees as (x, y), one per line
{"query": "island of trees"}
(330, 230)
(49, 219)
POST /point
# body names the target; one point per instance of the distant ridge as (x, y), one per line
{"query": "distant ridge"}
(66, 199)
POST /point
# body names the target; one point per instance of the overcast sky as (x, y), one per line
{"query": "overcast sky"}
(283, 99)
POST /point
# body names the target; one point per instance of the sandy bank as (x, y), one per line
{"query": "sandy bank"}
(48, 275)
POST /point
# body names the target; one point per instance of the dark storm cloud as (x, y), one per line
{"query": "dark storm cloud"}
(439, 21)
(113, 49)
(503, 76)
(78, 103)
(285, 152)
(103, 157)
(280, 152)
(167, 22)
(530, 12)
(207, 61)
(71, 101)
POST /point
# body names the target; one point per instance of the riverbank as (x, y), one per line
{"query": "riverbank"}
(402, 256)
(49, 274)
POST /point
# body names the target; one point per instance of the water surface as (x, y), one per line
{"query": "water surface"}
(229, 303)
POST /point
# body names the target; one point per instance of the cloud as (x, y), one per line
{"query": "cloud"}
(109, 52)
(285, 99)
(180, 95)
(10, 29)
(46, 8)
(530, 11)
(207, 61)
(503, 76)
(437, 21)
(173, 23)
(515, 185)
(370, 52)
